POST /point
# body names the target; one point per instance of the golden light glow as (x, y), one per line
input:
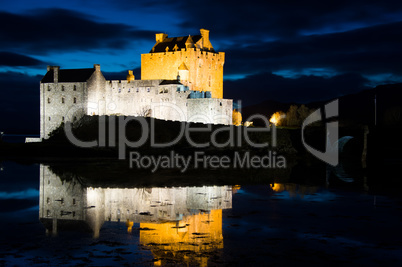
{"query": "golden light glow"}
(195, 235)
(236, 117)
(235, 188)
(129, 225)
(276, 117)
(278, 187)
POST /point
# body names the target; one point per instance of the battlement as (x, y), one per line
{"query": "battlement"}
(185, 51)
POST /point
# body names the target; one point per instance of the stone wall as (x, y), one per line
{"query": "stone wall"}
(61, 102)
(210, 110)
(205, 69)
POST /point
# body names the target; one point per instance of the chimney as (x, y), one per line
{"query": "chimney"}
(97, 67)
(56, 70)
(205, 35)
(160, 37)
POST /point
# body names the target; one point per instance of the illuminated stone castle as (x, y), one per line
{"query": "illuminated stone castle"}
(181, 80)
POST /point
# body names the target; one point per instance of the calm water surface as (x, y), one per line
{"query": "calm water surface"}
(49, 220)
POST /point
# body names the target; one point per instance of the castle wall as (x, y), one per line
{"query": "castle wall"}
(205, 68)
(146, 98)
(61, 102)
(210, 110)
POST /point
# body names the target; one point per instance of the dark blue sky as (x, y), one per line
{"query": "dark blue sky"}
(290, 51)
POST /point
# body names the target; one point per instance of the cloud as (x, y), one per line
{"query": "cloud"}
(19, 102)
(255, 88)
(286, 19)
(14, 60)
(367, 51)
(50, 30)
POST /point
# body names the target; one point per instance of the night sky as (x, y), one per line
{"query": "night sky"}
(289, 51)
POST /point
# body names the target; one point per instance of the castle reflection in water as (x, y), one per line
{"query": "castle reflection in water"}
(171, 220)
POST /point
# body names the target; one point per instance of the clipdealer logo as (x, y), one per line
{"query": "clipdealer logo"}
(331, 154)
(199, 159)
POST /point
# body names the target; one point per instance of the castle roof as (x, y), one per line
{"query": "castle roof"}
(69, 75)
(165, 82)
(180, 42)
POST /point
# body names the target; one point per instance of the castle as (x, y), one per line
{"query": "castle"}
(181, 80)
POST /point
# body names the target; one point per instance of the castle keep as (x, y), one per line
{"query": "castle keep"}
(181, 80)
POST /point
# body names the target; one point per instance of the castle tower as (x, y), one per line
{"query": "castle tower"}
(192, 57)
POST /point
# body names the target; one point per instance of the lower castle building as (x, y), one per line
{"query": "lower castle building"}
(183, 82)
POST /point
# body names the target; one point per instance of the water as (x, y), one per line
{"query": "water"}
(48, 219)
(17, 138)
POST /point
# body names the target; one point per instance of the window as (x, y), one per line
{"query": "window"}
(62, 87)
(62, 100)
(148, 89)
(62, 119)
(75, 88)
(129, 90)
(48, 100)
(75, 100)
(220, 104)
(75, 118)
(48, 213)
(119, 90)
(48, 200)
(50, 118)
(138, 90)
(48, 88)
(74, 201)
